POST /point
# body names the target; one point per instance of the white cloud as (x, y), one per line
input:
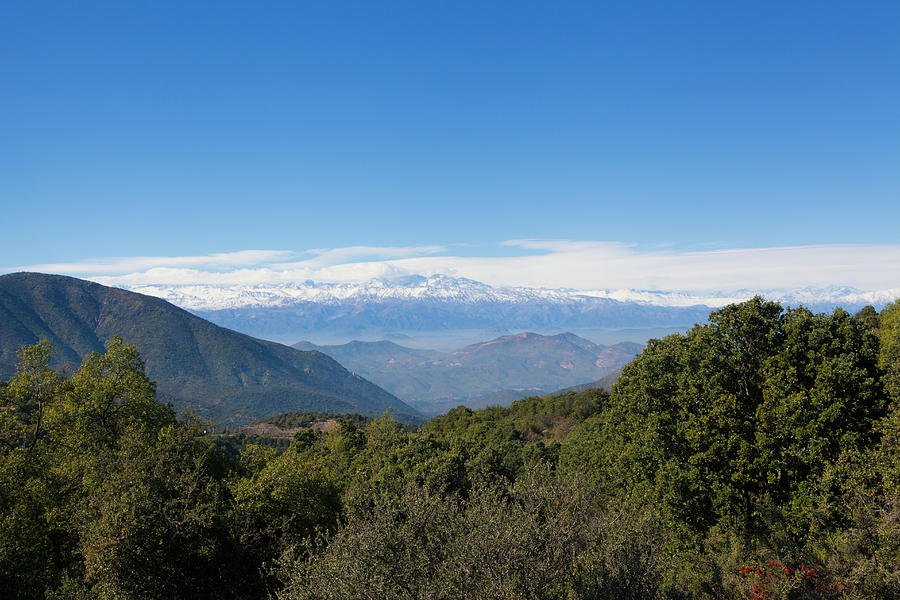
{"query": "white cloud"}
(582, 265)
(136, 263)
(336, 256)
(569, 246)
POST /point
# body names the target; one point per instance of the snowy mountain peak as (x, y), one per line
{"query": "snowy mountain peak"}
(443, 288)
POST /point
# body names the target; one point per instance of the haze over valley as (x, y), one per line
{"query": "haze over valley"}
(492, 372)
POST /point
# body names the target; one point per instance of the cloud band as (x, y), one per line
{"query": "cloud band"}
(584, 265)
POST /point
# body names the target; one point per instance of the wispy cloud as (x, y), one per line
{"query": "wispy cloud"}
(569, 246)
(592, 265)
(130, 264)
(324, 257)
(537, 263)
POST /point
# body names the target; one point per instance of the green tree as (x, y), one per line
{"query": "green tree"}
(740, 413)
(156, 521)
(109, 394)
(36, 544)
(889, 354)
(291, 498)
(102, 492)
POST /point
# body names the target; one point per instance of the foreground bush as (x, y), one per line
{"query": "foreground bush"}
(543, 537)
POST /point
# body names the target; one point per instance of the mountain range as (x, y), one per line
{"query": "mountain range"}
(416, 305)
(234, 379)
(221, 374)
(493, 372)
(411, 306)
(459, 289)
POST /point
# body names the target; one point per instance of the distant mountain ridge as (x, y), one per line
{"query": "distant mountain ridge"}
(379, 309)
(206, 297)
(604, 383)
(414, 304)
(500, 370)
(224, 375)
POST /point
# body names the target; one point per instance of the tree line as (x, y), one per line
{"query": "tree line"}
(756, 455)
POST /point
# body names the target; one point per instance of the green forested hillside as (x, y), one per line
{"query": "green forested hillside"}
(221, 374)
(757, 456)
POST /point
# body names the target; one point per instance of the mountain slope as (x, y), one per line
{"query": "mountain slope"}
(372, 356)
(604, 383)
(512, 365)
(223, 375)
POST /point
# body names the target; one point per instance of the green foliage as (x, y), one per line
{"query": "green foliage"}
(755, 456)
(103, 494)
(889, 354)
(36, 541)
(234, 445)
(156, 521)
(288, 499)
(309, 418)
(543, 537)
(746, 411)
(27, 399)
(500, 442)
(109, 394)
(546, 419)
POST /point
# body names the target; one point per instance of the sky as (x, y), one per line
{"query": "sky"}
(587, 145)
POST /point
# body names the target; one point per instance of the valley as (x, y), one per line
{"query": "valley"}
(496, 371)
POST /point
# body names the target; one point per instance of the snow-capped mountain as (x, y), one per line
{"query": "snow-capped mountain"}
(444, 288)
(825, 298)
(413, 305)
(812, 297)
(436, 287)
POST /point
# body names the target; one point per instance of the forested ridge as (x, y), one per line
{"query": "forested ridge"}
(755, 456)
(223, 375)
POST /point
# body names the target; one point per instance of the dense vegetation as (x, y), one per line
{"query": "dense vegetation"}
(755, 456)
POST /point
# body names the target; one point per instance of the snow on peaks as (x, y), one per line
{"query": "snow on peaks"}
(449, 289)
(436, 287)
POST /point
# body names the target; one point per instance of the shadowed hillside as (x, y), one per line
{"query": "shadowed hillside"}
(223, 375)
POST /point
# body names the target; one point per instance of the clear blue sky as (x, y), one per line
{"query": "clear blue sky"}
(157, 128)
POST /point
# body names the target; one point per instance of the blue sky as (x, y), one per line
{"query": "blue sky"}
(165, 130)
